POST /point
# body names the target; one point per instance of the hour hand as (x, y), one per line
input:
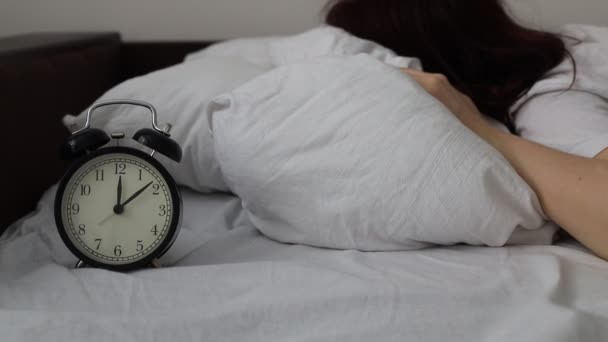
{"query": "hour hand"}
(119, 190)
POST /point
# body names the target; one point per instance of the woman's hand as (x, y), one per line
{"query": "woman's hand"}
(459, 104)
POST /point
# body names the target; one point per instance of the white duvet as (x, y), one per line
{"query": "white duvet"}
(227, 282)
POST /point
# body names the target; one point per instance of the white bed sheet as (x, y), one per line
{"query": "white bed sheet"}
(229, 283)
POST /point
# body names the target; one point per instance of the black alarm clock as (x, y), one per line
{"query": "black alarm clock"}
(117, 207)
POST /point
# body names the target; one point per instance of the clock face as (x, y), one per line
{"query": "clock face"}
(117, 208)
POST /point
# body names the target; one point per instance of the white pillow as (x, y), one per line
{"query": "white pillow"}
(326, 41)
(349, 153)
(181, 94)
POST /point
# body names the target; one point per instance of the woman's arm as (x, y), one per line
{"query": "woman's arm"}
(573, 190)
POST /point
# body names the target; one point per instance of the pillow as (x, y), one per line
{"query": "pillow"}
(349, 153)
(327, 41)
(181, 95)
(588, 45)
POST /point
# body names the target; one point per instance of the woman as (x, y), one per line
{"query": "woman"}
(479, 60)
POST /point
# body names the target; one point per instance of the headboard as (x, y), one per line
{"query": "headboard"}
(45, 76)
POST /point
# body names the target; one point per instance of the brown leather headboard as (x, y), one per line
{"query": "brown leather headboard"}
(45, 76)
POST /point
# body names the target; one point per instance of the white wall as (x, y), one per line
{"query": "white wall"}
(551, 14)
(214, 19)
(162, 19)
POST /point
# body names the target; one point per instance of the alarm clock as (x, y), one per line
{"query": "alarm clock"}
(117, 207)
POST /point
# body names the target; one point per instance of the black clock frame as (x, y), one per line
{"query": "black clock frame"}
(174, 226)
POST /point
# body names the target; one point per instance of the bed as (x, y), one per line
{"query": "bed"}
(229, 282)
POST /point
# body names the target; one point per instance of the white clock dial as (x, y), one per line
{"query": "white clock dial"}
(117, 209)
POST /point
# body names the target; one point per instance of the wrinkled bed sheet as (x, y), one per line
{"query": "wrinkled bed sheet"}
(227, 282)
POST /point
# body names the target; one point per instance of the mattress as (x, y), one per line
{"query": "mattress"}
(224, 281)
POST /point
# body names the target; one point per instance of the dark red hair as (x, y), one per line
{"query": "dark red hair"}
(484, 52)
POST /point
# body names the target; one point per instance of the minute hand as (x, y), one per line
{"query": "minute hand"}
(134, 196)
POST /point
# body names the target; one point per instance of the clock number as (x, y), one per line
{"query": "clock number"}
(98, 243)
(118, 250)
(85, 189)
(81, 229)
(119, 168)
(156, 188)
(140, 246)
(75, 208)
(154, 230)
(99, 175)
(162, 210)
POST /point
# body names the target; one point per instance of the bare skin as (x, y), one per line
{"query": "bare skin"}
(572, 190)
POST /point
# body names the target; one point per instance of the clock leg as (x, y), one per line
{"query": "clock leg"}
(80, 264)
(155, 263)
